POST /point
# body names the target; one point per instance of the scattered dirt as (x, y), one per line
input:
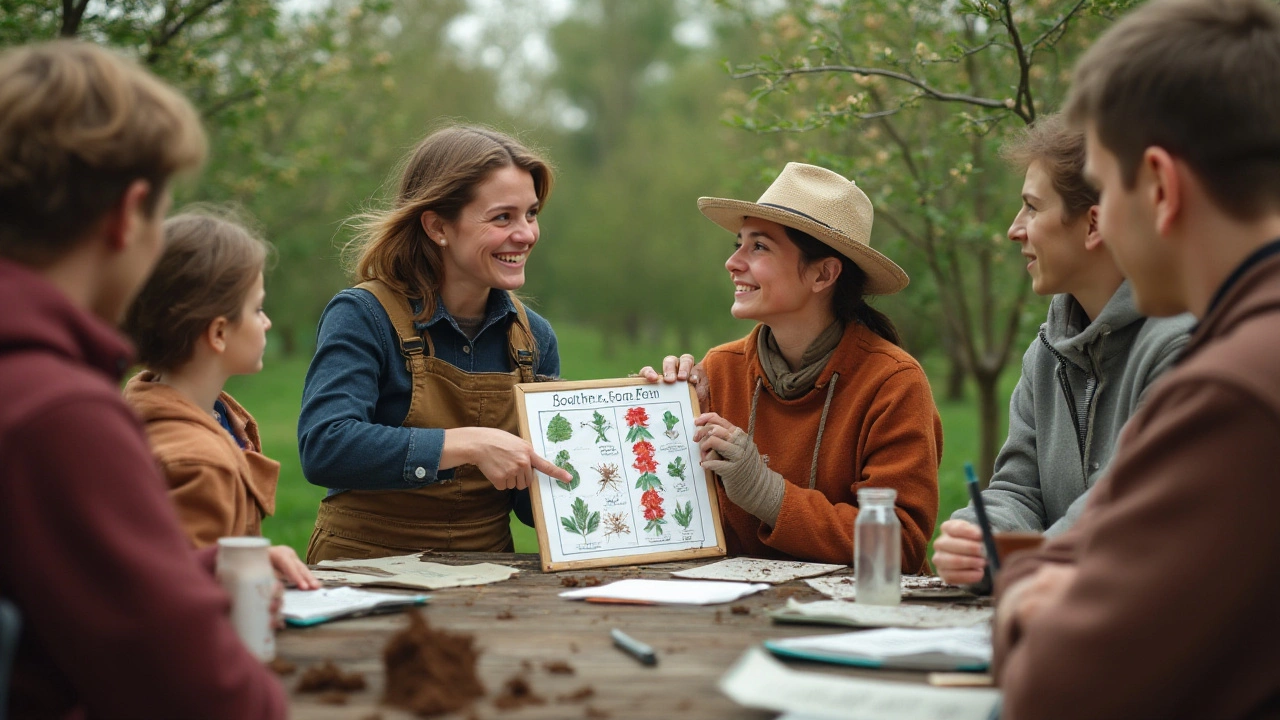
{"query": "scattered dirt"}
(740, 610)
(568, 581)
(591, 581)
(578, 695)
(573, 647)
(526, 666)
(506, 615)
(684, 705)
(594, 713)
(516, 694)
(333, 697)
(719, 616)
(327, 676)
(282, 667)
(558, 667)
(430, 672)
(372, 716)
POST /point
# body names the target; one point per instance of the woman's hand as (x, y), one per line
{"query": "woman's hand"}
(507, 460)
(744, 472)
(674, 369)
(290, 569)
(713, 434)
(957, 553)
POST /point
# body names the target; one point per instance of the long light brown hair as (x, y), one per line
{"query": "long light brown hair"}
(441, 175)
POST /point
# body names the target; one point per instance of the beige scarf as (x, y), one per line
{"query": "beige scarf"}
(790, 384)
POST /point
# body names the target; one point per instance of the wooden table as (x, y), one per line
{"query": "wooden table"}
(522, 624)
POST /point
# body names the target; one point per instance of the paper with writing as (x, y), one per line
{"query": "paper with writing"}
(918, 587)
(967, 648)
(410, 571)
(668, 592)
(759, 681)
(752, 570)
(843, 612)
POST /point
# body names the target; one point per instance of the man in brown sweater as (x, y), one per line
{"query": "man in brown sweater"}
(119, 618)
(1161, 602)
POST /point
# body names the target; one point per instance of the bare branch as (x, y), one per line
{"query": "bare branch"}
(925, 88)
(167, 35)
(72, 14)
(1060, 25)
(1023, 105)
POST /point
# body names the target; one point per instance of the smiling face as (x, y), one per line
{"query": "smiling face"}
(769, 286)
(246, 337)
(1057, 259)
(489, 243)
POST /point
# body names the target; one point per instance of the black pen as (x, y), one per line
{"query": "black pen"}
(634, 647)
(979, 509)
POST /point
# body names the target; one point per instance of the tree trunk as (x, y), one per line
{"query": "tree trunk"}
(288, 340)
(987, 381)
(957, 369)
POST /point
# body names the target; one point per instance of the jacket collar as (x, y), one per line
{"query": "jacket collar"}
(1255, 291)
(1068, 331)
(498, 307)
(841, 361)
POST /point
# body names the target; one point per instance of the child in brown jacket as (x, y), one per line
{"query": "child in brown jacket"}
(198, 321)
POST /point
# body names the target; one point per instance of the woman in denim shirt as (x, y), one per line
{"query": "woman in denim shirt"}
(408, 414)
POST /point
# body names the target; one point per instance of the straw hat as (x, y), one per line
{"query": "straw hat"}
(823, 204)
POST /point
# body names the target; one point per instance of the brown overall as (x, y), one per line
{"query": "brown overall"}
(467, 513)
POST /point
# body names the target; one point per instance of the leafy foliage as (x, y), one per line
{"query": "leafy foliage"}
(559, 429)
(600, 425)
(683, 514)
(676, 468)
(562, 462)
(584, 521)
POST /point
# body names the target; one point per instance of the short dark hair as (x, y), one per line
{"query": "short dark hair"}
(1200, 79)
(209, 264)
(1059, 149)
(78, 124)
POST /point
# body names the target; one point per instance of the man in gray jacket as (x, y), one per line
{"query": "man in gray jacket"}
(1084, 374)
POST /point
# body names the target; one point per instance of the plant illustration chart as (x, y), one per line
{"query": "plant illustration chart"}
(631, 468)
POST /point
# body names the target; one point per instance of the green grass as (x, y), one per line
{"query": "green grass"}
(274, 396)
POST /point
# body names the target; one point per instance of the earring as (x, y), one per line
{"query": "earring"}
(442, 241)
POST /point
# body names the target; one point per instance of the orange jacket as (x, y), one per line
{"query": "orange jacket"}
(217, 488)
(882, 430)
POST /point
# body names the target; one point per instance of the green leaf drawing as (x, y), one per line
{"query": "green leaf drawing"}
(670, 420)
(648, 481)
(562, 462)
(600, 425)
(584, 522)
(559, 429)
(676, 468)
(683, 515)
(655, 526)
(638, 432)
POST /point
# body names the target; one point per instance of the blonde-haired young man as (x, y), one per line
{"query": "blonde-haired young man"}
(119, 617)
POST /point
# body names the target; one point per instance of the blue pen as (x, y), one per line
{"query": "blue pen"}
(979, 509)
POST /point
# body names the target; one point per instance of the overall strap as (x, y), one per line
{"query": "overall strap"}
(397, 306)
(521, 343)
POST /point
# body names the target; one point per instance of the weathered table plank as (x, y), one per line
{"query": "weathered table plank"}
(521, 624)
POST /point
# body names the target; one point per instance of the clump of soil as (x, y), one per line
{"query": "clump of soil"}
(282, 667)
(516, 694)
(740, 610)
(506, 615)
(430, 672)
(558, 667)
(591, 581)
(578, 695)
(327, 676)
(568, 581)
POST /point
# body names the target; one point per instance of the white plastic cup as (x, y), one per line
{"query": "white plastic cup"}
(244, 571)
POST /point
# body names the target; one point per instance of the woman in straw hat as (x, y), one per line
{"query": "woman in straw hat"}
(818, 401)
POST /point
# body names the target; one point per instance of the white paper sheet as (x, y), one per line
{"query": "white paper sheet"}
(752, 570)
(410, 571)
(310, 605)
(759, 681)
(843, 612)
(936, 648)
(920, 587)
(668, 592)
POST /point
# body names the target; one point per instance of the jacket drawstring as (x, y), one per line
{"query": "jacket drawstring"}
(822, 426)
(751, 419)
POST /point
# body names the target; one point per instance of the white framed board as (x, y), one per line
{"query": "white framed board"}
(639, 494)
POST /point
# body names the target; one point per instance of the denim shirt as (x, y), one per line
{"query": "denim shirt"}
(358, 390)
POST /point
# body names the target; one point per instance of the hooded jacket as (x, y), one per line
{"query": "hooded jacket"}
(869, 421)
(119, 618)
(1080, 382)
(1172, 610)
(218, 488)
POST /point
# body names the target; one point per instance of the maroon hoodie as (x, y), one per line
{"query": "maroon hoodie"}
(119, 618)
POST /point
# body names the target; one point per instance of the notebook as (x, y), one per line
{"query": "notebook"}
(312, 607)
(965, 648)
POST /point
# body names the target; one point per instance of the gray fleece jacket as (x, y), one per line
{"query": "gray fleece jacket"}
(1080, 382)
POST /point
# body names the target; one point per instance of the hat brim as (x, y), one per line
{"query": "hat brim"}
(884, 277)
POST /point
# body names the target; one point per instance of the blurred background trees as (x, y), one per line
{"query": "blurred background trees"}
(643, 105)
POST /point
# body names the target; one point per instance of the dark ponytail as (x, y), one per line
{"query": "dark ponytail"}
(848, 301)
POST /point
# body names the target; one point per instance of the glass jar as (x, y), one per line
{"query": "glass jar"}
(877, 548)
(244, 571)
